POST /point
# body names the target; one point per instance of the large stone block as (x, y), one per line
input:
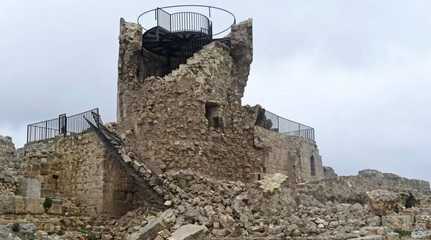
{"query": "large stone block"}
(189, 232)
(7, 204)
(383, 202)
(20, 206)
(149, 231)
(29, 187)
(34, 205)
(56, 207)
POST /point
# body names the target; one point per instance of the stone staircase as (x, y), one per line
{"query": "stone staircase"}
(140, 171)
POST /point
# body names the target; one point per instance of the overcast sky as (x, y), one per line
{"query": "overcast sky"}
(357, 71)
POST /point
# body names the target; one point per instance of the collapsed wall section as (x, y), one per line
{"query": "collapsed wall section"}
(191, 117)
(186, 121)
(9, 166)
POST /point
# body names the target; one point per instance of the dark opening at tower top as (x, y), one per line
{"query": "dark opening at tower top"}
(181, 30)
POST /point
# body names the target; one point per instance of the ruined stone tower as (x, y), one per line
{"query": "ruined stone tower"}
(189, 115)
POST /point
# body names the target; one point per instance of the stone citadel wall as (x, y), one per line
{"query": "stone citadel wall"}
(81, 168)
(296, 157)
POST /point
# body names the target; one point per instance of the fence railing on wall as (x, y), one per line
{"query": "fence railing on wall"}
(63, 125)
(272, 121)
(183, 22)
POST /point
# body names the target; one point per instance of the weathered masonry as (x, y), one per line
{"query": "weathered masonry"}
(189, 115)
(72, 165)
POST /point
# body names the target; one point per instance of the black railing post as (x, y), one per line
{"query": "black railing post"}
(156, 12)
(170, 22)
(62, 124)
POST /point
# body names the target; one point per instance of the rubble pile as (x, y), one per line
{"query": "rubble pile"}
(226, 209)
(205, 208)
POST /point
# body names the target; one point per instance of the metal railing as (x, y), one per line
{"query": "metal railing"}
(272, 121)
(176, 21)
(183, 22)
(63, 125)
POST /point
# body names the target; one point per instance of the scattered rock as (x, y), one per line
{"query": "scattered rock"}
(271, 183)
(400, 222)
(189, 232)
(421, 234)
(149, 231)
(373, 237)
(383, 202)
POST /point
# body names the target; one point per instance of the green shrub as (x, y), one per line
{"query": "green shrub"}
(47, 204)
(403, 233)
(15, 227)
(83, 231)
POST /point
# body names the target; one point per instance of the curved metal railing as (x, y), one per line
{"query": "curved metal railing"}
(189, 21)
(183, 22)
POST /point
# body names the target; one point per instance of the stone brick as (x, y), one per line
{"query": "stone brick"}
(56, 208)
(189, 232)
(401, 222)
(20, 205)
(29, 187)
(149, 231)
(7, 204)
(34, 205)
